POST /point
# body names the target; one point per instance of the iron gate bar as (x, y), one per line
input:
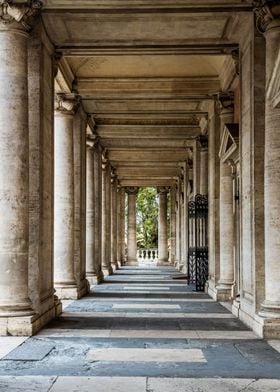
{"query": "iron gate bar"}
(198, 241)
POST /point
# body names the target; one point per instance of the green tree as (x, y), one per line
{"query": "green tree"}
(147, 218)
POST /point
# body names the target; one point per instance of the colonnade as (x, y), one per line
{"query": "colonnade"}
(62, 207)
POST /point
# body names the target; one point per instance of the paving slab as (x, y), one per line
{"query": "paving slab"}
(99, 384)
(217, 385)
(146, 355)
(9, 343)
(32, 350)
(26, 384)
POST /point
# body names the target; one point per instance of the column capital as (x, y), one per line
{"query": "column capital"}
(92, 141)
(163, 189)
(19, 13)
(226, 101)
(267, 14)
(203, 142)
(67, 103)
(132, 190)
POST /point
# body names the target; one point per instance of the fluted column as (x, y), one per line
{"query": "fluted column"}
(173, 225)
(14, 163)
(131, 226)
(64, 273)
(203, 188)
(106, 218)
(226, 281)
(268, 19)
(162, 227)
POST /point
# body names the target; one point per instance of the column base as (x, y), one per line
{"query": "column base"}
(114, 267)
(28, 325)
(95, 279)
(107, 271)
(163, 262)
(132, 262)
(224, 291)
(210, 289)
(265, 327)
(64, 291)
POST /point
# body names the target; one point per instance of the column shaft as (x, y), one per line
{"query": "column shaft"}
(131, 227)
(106, 219)
(162, 228)
(114, 226)
(271, 305)
(64, 275)
(173, 225)
(14, 176)
(98, 212)
(226, 221)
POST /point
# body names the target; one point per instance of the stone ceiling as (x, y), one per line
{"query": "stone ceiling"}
(143, 69)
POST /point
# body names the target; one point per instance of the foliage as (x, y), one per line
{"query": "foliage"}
(147, 218)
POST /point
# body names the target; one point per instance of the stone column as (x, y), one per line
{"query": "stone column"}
(173, 225)
(131, 227)
(64, 275)
(106, 218)
(93, 265)
(114, 217)
(226, 281)
(185, 217)
(14, 168)
(214, 200)
(162, 227)
(203, 141)
(269, 22)
(122, 226)
(178, 224)
(97, 155)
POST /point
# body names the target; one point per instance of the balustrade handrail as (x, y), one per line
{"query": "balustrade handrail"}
(147, 254)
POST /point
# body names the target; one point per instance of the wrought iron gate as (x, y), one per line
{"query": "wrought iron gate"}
(198, 242)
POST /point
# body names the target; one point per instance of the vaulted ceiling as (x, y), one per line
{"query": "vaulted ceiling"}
(144, 68)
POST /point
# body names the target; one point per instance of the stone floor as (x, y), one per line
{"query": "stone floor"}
(141, 331)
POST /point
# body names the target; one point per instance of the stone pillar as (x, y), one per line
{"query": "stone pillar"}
(64, 275)
(269, 23)
(178, 224)
(97, 154)
(203, 188)
(121, 226)
(106, 218)
(93, 265)
(185, 217)
(14, 168)
(114, 227)
(214, 200)
(173, 225)
(131, 227)
(226, 281)
(162, 227)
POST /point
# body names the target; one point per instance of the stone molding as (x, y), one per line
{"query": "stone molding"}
(266, 12)
(22, 13)
(67, 103)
